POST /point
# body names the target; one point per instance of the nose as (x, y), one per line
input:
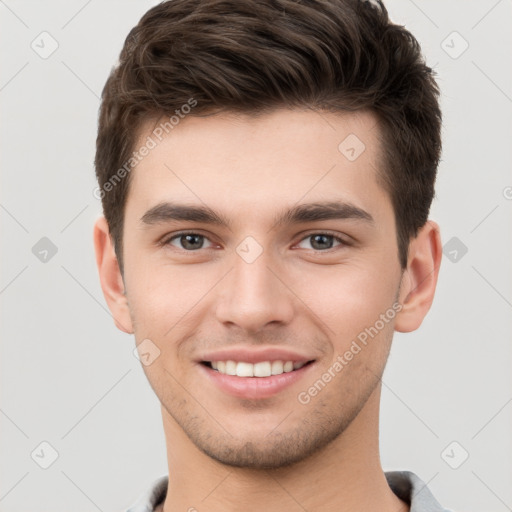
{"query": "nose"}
(254, 297)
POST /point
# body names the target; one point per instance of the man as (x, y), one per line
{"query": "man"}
(266, 170)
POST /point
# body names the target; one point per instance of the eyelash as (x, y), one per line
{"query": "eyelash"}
(167, 241)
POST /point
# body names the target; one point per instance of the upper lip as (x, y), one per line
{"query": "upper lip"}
(255, 355)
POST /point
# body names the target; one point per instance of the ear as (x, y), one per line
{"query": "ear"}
(110, 276)
(419, 279)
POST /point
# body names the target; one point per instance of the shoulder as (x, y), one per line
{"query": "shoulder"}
(152, 497)
(414, 491)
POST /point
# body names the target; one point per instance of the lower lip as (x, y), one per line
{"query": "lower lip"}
(254, 387)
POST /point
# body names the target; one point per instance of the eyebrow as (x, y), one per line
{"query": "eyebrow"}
(303, 213)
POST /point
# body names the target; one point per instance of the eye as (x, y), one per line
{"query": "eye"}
(188, 241)
(321, 241)
(191, 241)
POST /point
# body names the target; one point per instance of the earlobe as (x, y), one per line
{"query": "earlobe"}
(419, 279)
(111, 279)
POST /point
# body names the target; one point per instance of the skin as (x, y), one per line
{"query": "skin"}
(226, 453)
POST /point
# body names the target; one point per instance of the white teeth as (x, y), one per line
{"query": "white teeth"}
(245, 370)
(277, 367)
(230, 368)
(261, 369)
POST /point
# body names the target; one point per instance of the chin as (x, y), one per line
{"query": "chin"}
(272, 452)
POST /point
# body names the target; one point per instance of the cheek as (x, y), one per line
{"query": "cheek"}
(346, 299)
(163, 296)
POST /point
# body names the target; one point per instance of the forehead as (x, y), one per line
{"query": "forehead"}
(244, 163)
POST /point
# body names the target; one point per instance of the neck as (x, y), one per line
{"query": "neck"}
(345, 475)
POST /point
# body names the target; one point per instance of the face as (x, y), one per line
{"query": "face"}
(262, 245)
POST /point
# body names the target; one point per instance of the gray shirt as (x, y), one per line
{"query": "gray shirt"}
(405, 484)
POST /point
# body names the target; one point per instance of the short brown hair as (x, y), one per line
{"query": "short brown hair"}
(253, 56)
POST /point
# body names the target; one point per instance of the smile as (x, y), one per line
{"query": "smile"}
(255, 381)
(260, 369)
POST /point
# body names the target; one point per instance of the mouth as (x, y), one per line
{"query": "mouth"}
(257, 380)
(260, 369)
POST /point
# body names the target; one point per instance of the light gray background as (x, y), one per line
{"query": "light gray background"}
(69, 378)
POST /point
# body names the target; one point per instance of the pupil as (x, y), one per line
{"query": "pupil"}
(191, 241)
(322, 239)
